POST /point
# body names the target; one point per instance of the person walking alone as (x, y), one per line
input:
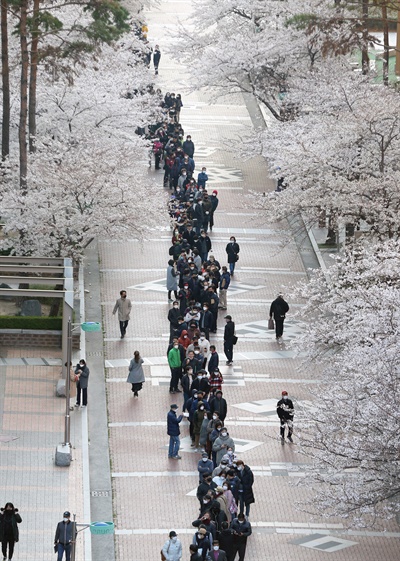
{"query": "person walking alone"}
(279, 308)
(123, 305)
(9, 533)
(285, 412)
(173, 432)
(232, 251)
(82, 375)
(64, 537)
(156, 58)
(136, 373)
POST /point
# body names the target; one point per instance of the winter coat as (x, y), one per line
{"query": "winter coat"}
(173, 315)
(219, 442)
(207, 206)
(247, 479)
(172, 551)
(285, 409)
(279, 308)
(204, 467)
(244, 529)
(223, 502)
(83, 375)
(156, 57)
(220, 406)
(173, 423)
(213, 362)
(174, 358)
(214, 202)
(202, 179)
(172, 278)
(188, 148)
(64, 533)
(232, 249)
(229, 331)
(204, 433)
(205, 244)
(198, 418)
(14, 520)
(123, 306)
(136, 374)
(225, 281)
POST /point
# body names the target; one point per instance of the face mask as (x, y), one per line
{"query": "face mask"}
(200, 536)
(218, 428)
(240, 468)
(215, 547)
(225, 488)
(80, 364)
(65, 519)
(176, 346)
(201, 408)
(174, 539)
(215, 417)
(184, 174)
(232, 241)
(176, 306)
(241, 521)
(203, 170)
(204, 459)
(206, 502)
(224, 434)
(285, 397)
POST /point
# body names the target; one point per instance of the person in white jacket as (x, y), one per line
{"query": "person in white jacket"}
(172, 549)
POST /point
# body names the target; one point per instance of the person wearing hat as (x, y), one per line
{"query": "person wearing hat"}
(173, 432)
(64, 537)
(204, 466)
(214, 205)
(219, 405)
(229, 335)
(172, 549)
(279, 308)
(203, 542)
(285, 411)
(9, 533)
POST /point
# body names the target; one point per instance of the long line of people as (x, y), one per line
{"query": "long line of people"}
(199, 284)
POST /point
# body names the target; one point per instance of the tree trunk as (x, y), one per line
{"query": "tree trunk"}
(23, 112)
(364, 48)
(33, 76)
(5, 79)
(385, 60)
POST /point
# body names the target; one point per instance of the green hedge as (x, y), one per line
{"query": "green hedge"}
(30, 322)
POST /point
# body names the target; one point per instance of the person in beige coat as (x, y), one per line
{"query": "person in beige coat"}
(123, 305)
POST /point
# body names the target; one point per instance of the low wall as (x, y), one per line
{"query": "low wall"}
(34, 338)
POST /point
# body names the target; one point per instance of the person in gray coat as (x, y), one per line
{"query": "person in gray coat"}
(222, 444)
(172, 279)
(123, 305)
(82, 381)
(136, 374)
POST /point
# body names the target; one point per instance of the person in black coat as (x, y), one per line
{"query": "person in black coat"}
(225, 540)
(9, 534)
(279, 308)
(156, 58)
(82, 375)
(173, 314)
(206, 321)
(194, 555)
(232, 250)
(246, 496)
(229, 335)
(241, 529)
(188, 146)
(219, 405)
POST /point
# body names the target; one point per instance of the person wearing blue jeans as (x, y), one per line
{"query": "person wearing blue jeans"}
(232, 250)
(64, 537)
(173, 432)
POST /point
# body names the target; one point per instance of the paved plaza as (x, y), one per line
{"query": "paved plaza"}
(151, 494)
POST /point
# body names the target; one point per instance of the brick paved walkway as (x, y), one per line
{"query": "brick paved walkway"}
(152, 495)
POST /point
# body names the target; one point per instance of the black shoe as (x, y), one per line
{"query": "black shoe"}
(290, 439)
(177, 391)
(171, 391)
(122, 336)
(282, 440)
(136, 394)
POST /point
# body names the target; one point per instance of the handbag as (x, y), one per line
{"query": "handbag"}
(271, 324)
(236, 257)
(234, 339)
(163, 558)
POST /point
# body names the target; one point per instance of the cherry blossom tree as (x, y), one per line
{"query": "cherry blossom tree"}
(351, 434)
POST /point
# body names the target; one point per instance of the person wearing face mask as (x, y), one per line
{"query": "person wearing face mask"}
(213, 361)
(202, 178)
(231, 502)
(188, 146)
(204, 466)
(185, 382)
(207, 208)
(224, 283)
(285, 412)
(279, 308)
(212, 299)
(219, 405)
(217, 554)
(203, 543)
(136, 374)
(214, 205)
(205, 245)
(196, 215)
(229, 339)
(123, 306)
(173, 316)
(202, 493)
(9, 533)
(82, 380)
(206, 321)
(172, 279)
(64, 537)
(172, 549)
(204, 345)
(246, 495)
(175, 364)
(241, 530)
(232, 251)
(196, 258)
(198, 419)
(221, 444)
(173, 432)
